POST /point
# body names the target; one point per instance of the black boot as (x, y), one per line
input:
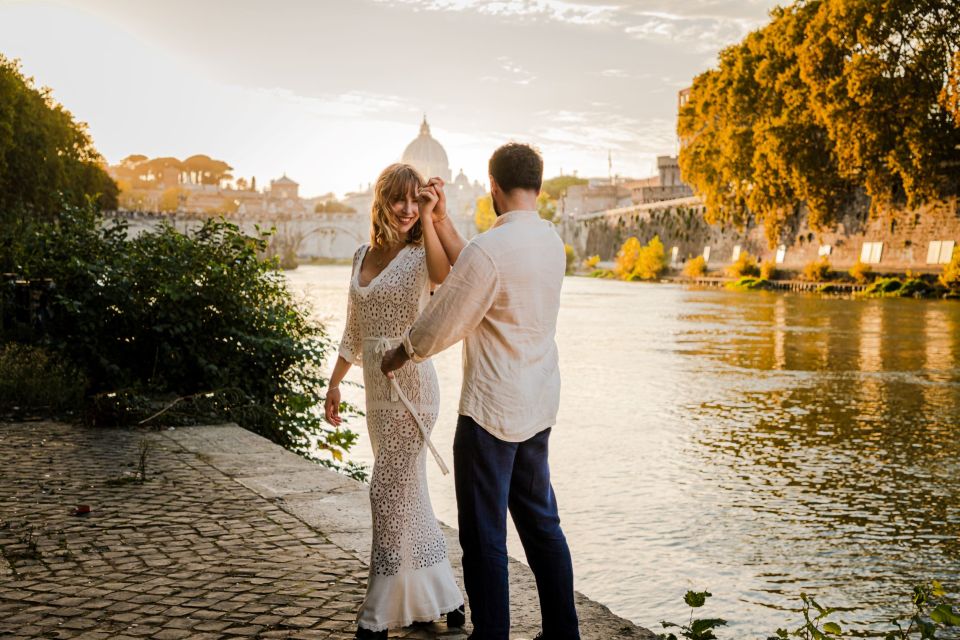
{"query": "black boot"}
(457, 617)
(366, 634)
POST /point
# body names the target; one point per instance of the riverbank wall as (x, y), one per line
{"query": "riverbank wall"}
(918, 239)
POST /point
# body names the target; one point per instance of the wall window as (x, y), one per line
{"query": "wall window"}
(736, 254)
(871, 252)
(781, 253)
(940, 251)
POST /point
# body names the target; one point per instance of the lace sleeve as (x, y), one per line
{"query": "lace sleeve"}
(351, 347)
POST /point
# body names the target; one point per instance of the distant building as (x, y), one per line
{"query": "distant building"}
(666, 185)
(427, 155)
(284, 189)
(429, 158)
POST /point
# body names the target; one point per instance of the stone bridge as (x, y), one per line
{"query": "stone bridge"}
(333, 236)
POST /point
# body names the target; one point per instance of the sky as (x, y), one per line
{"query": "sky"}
(331, 91)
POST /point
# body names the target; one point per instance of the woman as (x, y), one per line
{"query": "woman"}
(412, 246)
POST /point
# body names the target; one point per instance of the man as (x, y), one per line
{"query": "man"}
(502, 298)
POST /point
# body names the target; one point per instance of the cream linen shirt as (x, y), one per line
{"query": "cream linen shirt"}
(501, 298)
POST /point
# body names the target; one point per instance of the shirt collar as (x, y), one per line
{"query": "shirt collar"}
(513, 216)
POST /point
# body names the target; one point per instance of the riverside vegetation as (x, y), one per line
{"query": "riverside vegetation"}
(932, 613)
(635, 261)
(166, 328)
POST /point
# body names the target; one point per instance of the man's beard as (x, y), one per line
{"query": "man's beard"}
(496, 209)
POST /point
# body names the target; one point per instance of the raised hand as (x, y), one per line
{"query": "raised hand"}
(427, 199)
(440, 212)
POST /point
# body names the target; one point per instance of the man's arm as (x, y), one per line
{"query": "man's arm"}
(454, 311)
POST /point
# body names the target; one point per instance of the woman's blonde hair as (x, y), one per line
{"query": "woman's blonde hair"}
(394, 183)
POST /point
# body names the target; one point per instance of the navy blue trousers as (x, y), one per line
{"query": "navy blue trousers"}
(491, 476)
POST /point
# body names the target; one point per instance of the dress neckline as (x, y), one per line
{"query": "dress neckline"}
(386, 268)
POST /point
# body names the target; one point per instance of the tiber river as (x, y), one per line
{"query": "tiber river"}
(756, 445)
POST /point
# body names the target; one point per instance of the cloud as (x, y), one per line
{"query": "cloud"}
(707, 32)
(555, 10)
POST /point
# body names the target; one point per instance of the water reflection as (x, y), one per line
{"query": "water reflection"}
(834, 448)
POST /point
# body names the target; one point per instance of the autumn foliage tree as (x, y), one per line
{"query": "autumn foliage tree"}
(830, 99)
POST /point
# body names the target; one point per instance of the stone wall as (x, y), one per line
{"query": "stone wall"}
(680, 223)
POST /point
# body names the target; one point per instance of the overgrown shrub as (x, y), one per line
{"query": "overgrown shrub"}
(860, 271)
(34, 379)
(745, 265)
(571, 257)
(695, 267)
(950, 278)
(591, 263)
(198, 316)
(768, 270)
(817, 271)
(748, 283)
(638, 262)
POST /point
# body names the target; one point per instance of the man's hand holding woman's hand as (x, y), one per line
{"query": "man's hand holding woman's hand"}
(432, 200)
(393, 360)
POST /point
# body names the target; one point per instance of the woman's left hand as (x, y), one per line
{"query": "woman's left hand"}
(427, 199)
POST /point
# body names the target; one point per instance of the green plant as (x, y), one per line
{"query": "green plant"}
(748, 283)
(745, 265)
(700, 629)
(193, 318)
(34, 378)
(817, 270)
(695, 267)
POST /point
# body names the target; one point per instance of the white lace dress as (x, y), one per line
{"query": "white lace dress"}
(410, 575)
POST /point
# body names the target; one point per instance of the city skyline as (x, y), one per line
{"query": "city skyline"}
(330, 94)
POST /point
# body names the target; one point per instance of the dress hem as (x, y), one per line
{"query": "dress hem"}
(407, 622)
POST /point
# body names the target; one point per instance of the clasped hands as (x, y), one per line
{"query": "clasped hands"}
(393, 360)
(432, 200)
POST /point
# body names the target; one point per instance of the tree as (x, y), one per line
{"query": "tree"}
(546, 206)
(170, 199)
(484, 216)
(47, 159)
(556, 187)
(832, 98)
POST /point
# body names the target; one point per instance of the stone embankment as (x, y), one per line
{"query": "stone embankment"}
(229, 536)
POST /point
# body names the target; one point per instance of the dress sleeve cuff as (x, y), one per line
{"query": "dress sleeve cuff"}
(408, 347)
(349, 356)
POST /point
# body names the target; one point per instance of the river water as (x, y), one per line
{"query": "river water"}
(757, 445)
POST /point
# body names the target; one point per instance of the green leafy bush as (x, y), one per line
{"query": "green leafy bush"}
(193, 318)
(748, 283)
(34, 379)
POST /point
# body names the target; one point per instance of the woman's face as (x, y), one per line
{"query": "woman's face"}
(405, 212)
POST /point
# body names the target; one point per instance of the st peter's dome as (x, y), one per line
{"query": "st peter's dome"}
(427, 155)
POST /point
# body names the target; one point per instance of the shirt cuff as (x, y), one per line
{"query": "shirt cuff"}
(408, 347)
